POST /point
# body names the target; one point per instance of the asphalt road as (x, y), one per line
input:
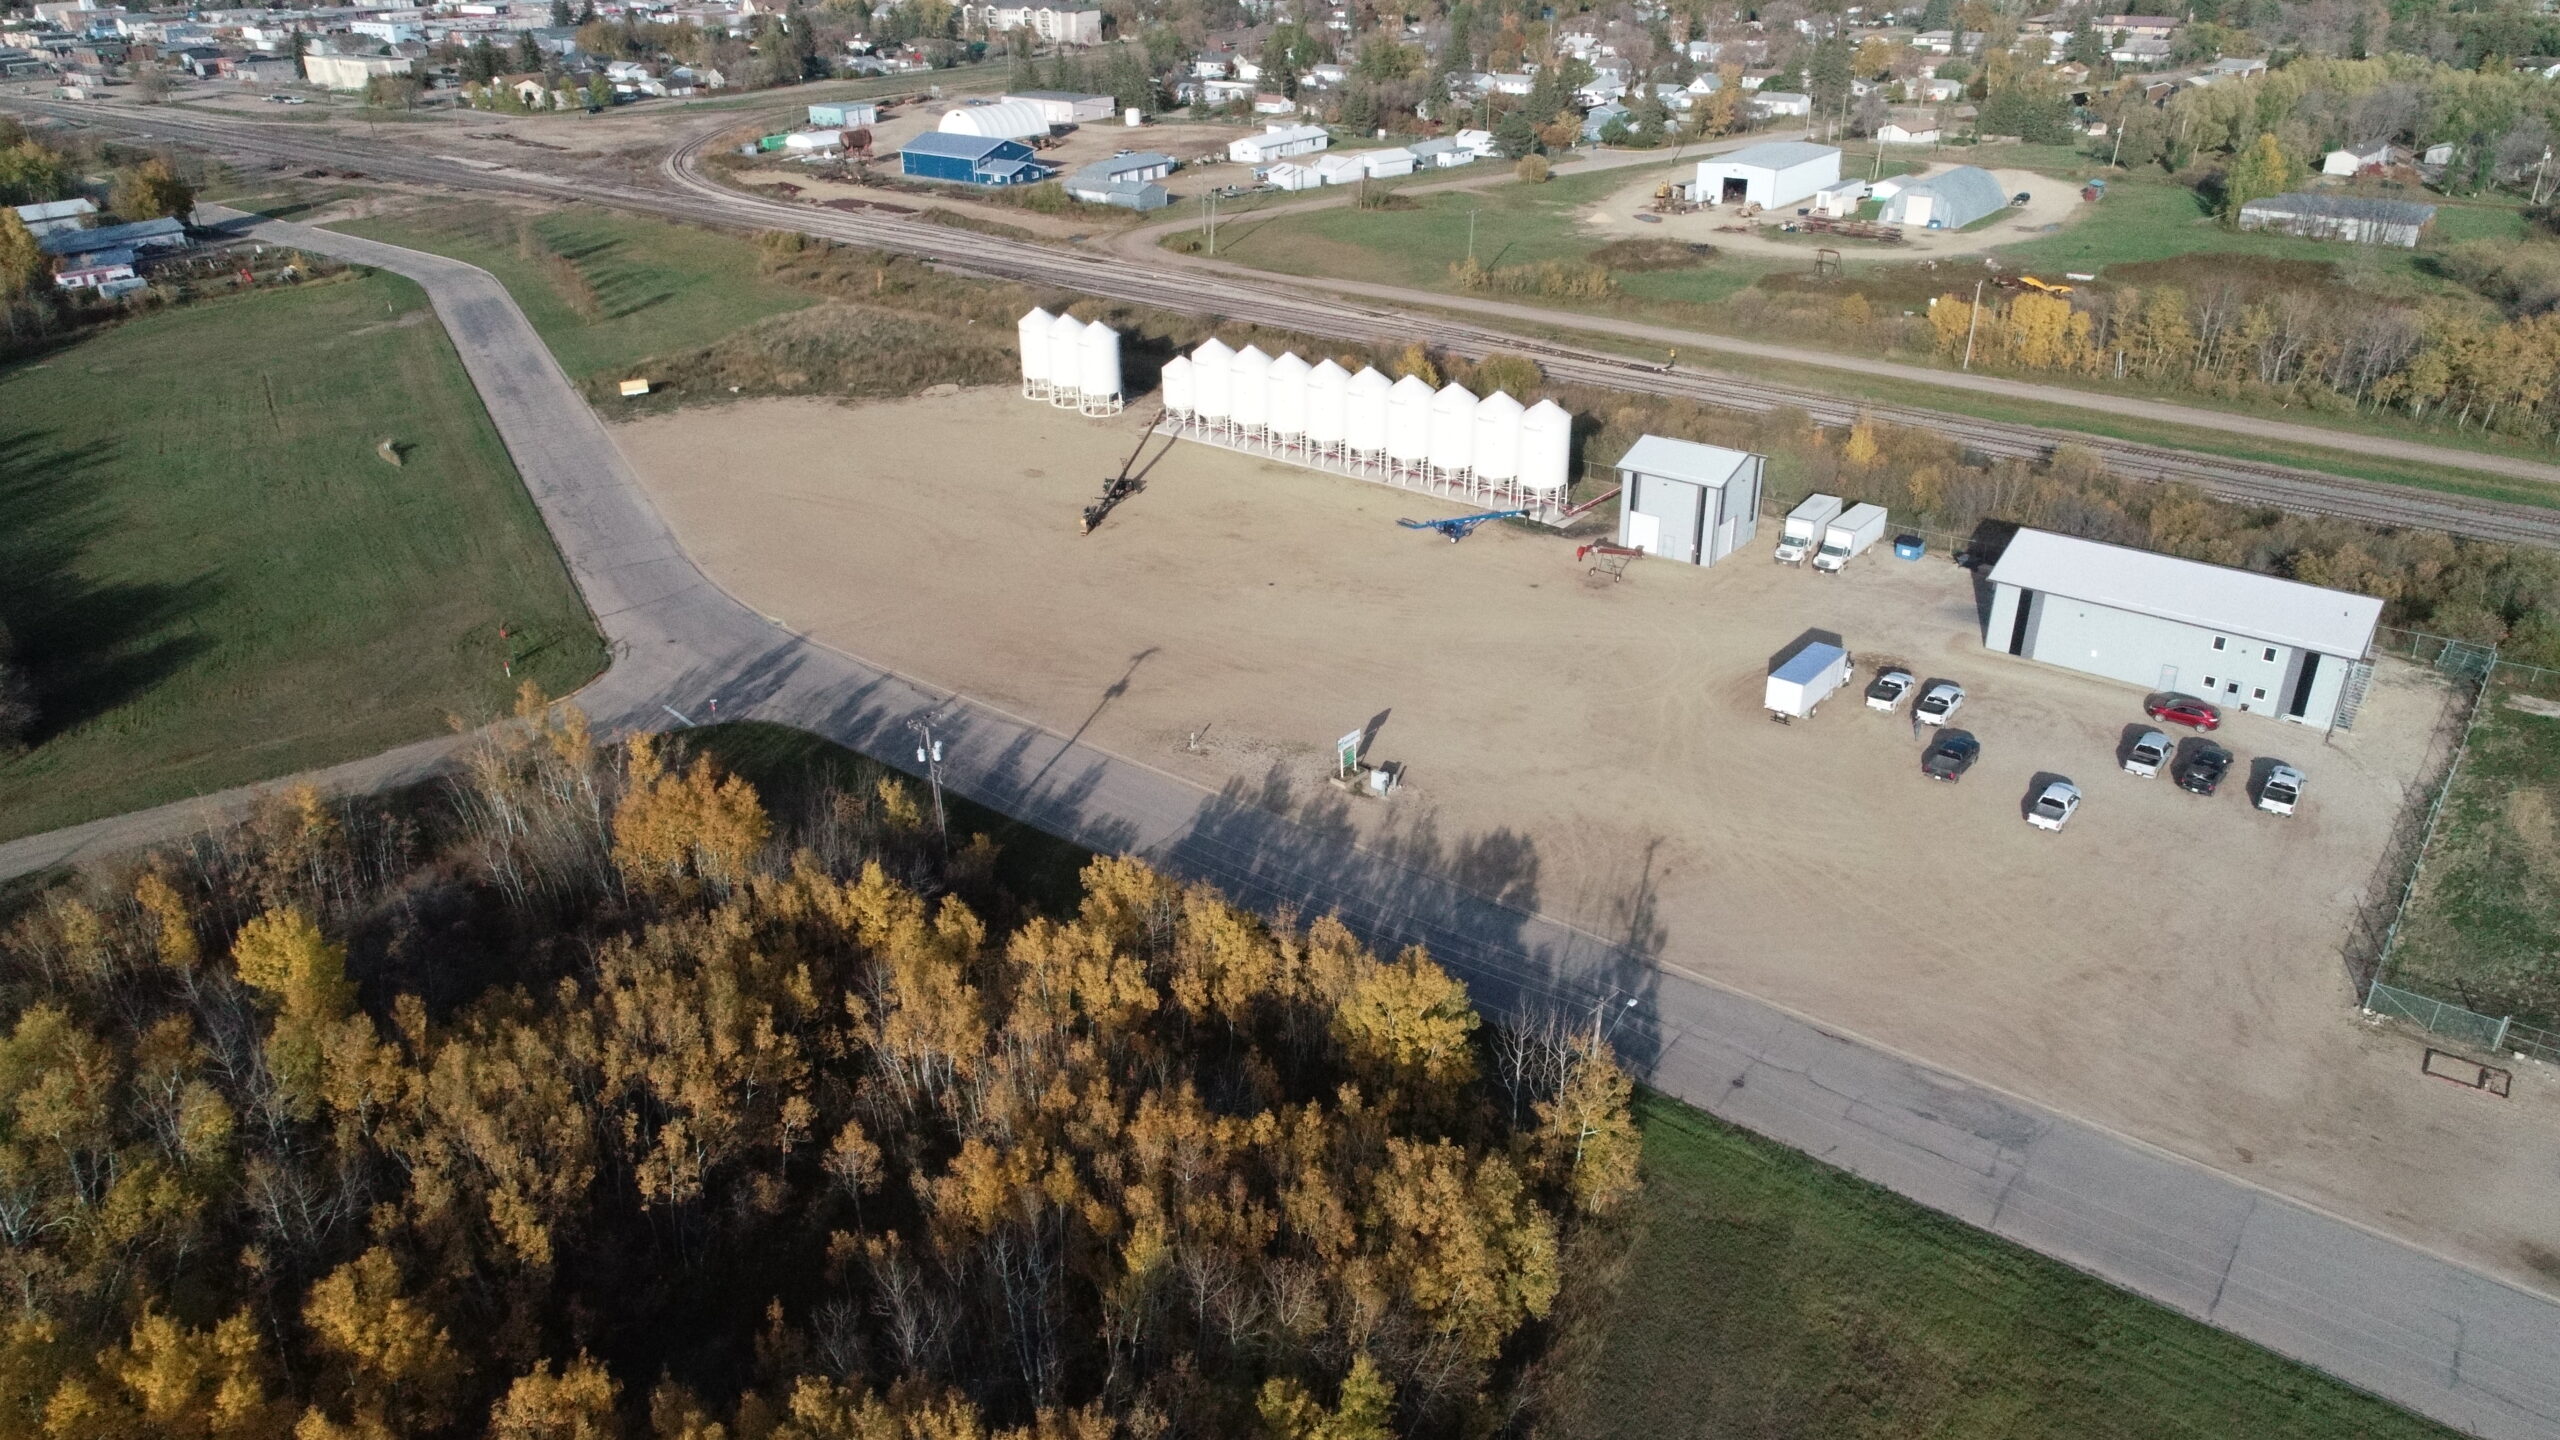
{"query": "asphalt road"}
(2421, 1330)
(682, 193)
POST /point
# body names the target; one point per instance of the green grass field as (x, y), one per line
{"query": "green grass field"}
(2479, 930)
(656, 287)
(214, 577)
(1763, 1293)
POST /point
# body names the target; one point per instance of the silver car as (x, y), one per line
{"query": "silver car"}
(1940, 704)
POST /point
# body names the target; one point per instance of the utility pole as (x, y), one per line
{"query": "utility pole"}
(1973, 323)
(929, 755)
(1471, 235)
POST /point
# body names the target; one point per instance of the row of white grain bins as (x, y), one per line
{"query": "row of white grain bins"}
(1070, 364)
(1402, 432)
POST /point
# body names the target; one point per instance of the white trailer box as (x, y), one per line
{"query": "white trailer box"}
(1857, 528)
(1805, 679)
(1804, 527)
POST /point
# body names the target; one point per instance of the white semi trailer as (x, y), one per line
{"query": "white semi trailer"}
(1804, 526)
(1857, 528)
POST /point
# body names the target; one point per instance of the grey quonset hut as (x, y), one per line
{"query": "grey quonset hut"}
(2244, 641)
(1687, 502)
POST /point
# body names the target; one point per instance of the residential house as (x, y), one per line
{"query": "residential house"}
(95, 269)
(1272, 102)
(2370, 159)
(1907, 132)
(1600, 118)
(1060, 22)
(2139, 27)
(1479, 144)
(1770, 104)
(1440, 153)
(1934, 91)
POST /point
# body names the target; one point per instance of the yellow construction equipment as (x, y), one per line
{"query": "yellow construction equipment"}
(2033, 283)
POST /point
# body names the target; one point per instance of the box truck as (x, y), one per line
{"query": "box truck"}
(1857, 528)
(1804, 526)
(1805, 679)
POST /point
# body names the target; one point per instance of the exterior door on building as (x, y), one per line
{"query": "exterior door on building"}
(2168, 677)
(1644, 532)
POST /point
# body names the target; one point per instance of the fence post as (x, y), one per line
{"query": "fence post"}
(2499, 1045)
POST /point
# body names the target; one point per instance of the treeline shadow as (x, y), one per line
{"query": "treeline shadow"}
(87, 647)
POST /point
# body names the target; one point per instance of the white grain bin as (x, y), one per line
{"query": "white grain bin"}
(1066, 363)
(1032, 334)
(1288, 396)
(1498, 439)
(1133, 117)
(1409, 424)
(1453, 429)
(1546, 450)
(1249, 393)
(1098, 369)
(1211, 383)
(1364, 424)
(1328, 406)
(1175, 381)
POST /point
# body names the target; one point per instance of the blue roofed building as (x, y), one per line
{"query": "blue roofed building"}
(162, 234)
(970, 159)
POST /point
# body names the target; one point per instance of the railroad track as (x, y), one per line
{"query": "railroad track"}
(684, 193)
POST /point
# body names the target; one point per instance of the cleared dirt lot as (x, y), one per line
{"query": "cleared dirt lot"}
(2167, 966)
(2055, 203)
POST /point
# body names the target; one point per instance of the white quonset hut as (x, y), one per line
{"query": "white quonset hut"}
(2244, 641)
(1777, 172)
(1003, 120)
(1688, 502)
(1949, 201)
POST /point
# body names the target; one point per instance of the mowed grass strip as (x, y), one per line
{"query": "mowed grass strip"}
(606, 291)
(1765, 1294)
(2479, 931)
(216, 579)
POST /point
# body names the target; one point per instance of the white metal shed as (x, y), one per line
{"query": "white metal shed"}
(1778, 172)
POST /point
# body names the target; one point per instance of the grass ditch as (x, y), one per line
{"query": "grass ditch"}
(2479, 929)
(1752, 1290)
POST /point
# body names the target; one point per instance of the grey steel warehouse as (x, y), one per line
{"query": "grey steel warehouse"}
(1687, 502)
(2244, 641)
(2360, 218)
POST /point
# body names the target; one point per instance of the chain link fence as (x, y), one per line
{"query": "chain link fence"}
(2488, 680)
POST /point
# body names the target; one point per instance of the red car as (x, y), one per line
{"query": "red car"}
(2183, 710)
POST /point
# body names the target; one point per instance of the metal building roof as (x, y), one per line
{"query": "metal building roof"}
(2343, 207)
(142, 232)
(1683, 460)
(959, 147)
(1775, 154)
(1968, 191)
(2214, 597)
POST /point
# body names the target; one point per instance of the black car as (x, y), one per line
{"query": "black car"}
(2203, 768)
(1950, 755)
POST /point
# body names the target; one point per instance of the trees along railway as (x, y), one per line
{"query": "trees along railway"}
(685, 194)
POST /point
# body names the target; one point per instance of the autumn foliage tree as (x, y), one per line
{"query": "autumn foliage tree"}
(596, 1103)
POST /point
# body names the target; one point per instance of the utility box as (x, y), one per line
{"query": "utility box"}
(1687, 502)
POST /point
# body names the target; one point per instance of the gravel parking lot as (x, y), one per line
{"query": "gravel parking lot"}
(2168, 965)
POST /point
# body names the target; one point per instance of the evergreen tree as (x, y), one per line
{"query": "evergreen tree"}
(528, 56)
(1515, 134)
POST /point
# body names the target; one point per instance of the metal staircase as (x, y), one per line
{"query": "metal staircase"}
(2359, 679)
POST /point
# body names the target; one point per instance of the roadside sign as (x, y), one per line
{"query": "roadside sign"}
(1347, 751)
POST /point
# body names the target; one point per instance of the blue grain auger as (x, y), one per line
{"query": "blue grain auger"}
(1459, 527)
